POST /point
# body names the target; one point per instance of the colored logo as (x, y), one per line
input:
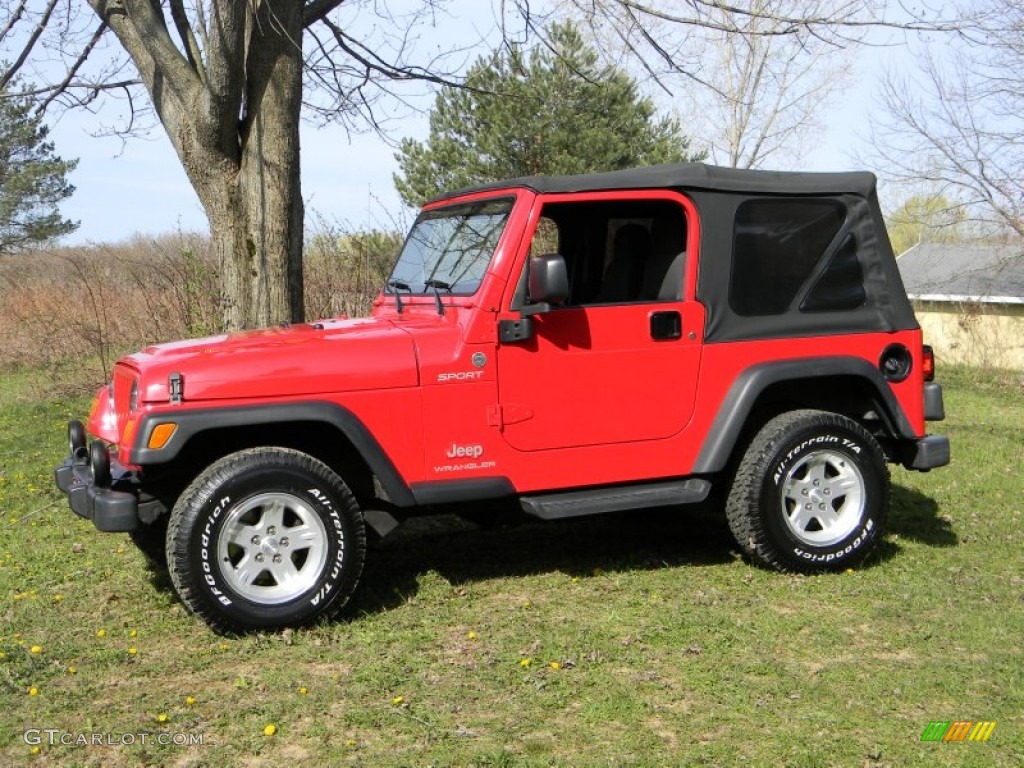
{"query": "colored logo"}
(959, 730)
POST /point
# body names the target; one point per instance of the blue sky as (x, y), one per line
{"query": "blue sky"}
(139, 187)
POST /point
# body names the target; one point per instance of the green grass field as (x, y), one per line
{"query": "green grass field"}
(639, 640)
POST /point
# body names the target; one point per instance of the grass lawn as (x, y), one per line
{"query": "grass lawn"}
(638, 639)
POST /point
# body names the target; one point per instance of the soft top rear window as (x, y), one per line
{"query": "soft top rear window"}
(777, 243)
(451, 247)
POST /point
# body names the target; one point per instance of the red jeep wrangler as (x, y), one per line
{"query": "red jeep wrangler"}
(573, 345)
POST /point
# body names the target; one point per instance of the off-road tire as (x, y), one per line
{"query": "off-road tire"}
(263, 539)
(811, 493)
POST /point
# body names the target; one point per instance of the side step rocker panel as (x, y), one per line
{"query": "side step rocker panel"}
(596, 501)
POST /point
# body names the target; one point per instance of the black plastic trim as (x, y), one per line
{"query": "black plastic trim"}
(193, 422)
(928, 453)
(744, 392)
(454, 491)
(596, 501)
(934, 409)
(111, 509)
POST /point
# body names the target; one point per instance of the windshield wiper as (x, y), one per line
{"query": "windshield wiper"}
(438, 286)
(398, 285)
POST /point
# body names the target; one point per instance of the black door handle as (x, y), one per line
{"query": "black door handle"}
(666, 325)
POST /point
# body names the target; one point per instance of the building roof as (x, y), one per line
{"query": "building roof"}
(986, 274)
(691, 176)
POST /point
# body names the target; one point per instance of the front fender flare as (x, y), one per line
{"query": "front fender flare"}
(193, 422)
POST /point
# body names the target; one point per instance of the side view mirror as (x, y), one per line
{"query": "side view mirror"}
(548, 284)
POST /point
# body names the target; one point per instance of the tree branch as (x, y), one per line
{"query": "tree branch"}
(63, 86)
(26, 49)
(188, 38)
(317, 10)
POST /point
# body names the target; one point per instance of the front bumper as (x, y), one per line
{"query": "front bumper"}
(113, 508)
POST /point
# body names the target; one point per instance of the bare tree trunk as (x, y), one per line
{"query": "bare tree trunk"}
(233, 119)
(257, 220)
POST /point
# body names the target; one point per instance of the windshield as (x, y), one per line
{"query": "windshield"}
(451, 246)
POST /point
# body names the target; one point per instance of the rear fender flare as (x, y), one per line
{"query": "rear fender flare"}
(748, 387)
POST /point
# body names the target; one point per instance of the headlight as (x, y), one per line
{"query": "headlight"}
(133, 398)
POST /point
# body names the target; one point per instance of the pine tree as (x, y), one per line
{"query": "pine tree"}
(32, 178)
(554, 110)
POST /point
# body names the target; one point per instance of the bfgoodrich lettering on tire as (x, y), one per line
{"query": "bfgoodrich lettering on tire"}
(265, 538)
(811, 493)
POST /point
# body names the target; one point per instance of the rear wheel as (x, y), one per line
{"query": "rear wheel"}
(811, 493)
(265, 538)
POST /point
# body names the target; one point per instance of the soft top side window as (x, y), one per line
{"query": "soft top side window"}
(777, 243)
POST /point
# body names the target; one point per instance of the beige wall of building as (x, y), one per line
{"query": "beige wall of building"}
(974, 334)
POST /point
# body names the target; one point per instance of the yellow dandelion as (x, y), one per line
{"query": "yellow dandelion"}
(35, 750)
(120, 550)
(72, 670)
(471, 635)
(101, 633)
(133, 633)
(269, 729)
(162, 717)
(555, 665)
(132, 651)
(57, 598)
(849, 570)
(36, 649)
(525, 662)
(303, 690)
(190, 700)
(397, 700)
(223, 646)
(33, 691)
(350, 742)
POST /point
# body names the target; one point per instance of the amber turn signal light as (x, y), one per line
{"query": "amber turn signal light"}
(161, 434)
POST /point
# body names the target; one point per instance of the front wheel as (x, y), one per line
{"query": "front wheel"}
(265, 538)
(811, 493)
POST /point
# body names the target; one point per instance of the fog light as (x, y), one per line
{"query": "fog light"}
(895, 363)
(99, 463)
(76, 438)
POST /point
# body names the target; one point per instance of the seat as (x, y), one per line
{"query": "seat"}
(624, 277)
(663, 273)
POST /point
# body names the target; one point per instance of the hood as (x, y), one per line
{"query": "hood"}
(328, 356)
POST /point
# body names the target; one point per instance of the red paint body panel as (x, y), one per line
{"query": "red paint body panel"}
(592, 398)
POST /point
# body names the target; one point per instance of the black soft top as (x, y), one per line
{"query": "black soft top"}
(718, 194)
(691, 176)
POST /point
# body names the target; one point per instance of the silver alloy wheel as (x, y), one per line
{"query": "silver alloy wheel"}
(823, 498)
(272, 548)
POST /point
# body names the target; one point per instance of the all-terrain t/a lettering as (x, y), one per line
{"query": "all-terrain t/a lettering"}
(611, 342)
